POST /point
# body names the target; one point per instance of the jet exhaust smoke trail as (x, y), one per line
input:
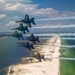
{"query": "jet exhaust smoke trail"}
(60, 34)
(59, 18)
(63, 58)
(56, 26)
(67, 46)
(63, 46)
(62, 38)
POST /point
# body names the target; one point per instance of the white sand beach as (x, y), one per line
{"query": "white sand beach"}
(51, 66)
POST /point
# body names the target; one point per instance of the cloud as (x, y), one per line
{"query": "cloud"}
(52, 13)
(4, 1)
(20, 7)
(45, 12)
(2, 16)
(24, 6)
(11, 23)
(2, 6)
(16, 17)
(67, 13)
(14, 5)
(31, 9)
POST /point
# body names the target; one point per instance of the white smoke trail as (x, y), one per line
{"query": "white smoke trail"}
(67, 58)
(68, 38)
(62, 38)
(58, 44)
(67, 46)
(59, 18)
(51, 34)
(63, 58)
(56, 26)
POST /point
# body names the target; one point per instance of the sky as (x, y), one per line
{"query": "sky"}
(45, 12)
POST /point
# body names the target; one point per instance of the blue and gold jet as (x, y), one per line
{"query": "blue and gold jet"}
(26, 44)
(22, 28)
(27, 21)
(33, 39)
(18, 35)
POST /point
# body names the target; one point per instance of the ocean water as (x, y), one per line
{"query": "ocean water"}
(10, 52)
(67, 67)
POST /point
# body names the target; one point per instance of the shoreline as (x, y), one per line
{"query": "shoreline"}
(49, 67)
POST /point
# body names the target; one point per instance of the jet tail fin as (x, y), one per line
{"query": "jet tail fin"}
(13, 29)
(32, 20)
(26, 28)
(37, 39)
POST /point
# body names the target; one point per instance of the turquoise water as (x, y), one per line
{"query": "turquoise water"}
(67, 67)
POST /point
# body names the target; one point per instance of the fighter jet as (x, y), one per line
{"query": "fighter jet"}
(33, 39)
(27, 21)
(26, 44)
(22, 28)
(17, 35)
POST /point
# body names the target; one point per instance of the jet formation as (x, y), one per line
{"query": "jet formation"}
(29, 41)
(26, 21)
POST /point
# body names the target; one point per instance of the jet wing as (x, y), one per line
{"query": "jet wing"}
(17, 21)
(28, 24)
(18, 38)
(23, 31)
(20, 21)
(15, 28)
(26, 29)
